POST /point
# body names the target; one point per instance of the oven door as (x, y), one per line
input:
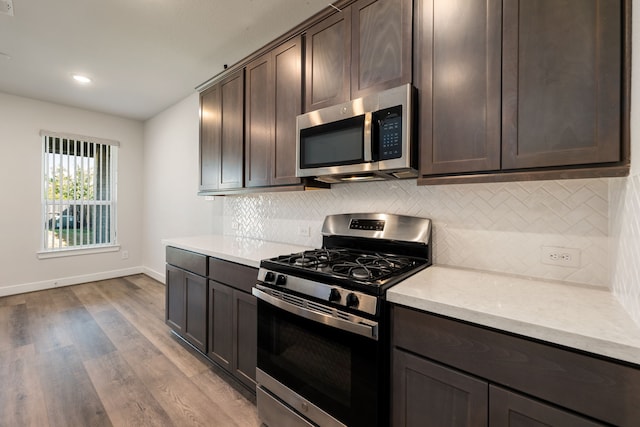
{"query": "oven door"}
(318, 369)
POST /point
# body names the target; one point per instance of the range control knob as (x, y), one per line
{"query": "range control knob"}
(334, 295)
(352, 300)
(269, 277)
(281, 280)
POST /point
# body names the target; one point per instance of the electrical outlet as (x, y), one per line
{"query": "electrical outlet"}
(124, 254)
(304, 230)
(564, 257)
(234, 225)
(6, 7)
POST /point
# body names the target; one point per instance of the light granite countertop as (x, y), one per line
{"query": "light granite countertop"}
(575, 316)
(241, 250)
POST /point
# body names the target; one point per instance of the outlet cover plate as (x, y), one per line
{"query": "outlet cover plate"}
(6, 7)
(563, 257)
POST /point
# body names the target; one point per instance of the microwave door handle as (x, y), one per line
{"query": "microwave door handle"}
(367, 137)
(369, 331)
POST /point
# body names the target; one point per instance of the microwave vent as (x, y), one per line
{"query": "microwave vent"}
(406, 174)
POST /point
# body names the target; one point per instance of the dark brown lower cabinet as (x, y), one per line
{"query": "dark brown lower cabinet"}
(220, 321)
(186, 298)
(175, 302)
(245, 337)
(427, 394)
(452, 373)
(195, 330)
(233, 331)
(508, 409)
(233, 319)
(214, 310)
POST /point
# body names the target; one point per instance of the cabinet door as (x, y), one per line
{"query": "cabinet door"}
(426, 394)
(561, 82)
(245, 327)
(381, 45)
(210, 134)
(259, 122)
(508, 409)
(287, 66)
(221, 324)
(175, 299)
(328, 61)
(195, 327)
(273, 100)
(232, 131)
(458, 65)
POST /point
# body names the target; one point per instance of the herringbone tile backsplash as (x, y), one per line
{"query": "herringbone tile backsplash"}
(625, 247)
(497, 227)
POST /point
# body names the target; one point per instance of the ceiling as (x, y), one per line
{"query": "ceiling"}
(142, 55)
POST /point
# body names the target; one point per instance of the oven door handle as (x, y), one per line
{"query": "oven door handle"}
(369, 329)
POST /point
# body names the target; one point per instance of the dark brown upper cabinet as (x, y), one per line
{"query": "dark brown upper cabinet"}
(381, 35)
(210, 137)
(364, 48)
(328, 61)
(457, 69)
(561, 82)
(521, 89)
(273, 100)
(222, 134)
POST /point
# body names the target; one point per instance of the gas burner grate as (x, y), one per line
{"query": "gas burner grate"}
(370, 267)
(314, 259)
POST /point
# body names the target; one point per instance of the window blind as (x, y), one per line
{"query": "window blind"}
(78, 191)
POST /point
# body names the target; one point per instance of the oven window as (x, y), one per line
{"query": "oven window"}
(333, 369)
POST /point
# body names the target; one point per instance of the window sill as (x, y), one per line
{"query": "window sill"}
(75, 252)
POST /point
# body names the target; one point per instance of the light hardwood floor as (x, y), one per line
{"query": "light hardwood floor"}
(100, 354)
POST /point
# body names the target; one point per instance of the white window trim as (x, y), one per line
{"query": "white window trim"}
(59, 253)
(95, 140)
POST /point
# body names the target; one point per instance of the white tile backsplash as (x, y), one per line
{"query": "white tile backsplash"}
(625, 247)
(496, 227)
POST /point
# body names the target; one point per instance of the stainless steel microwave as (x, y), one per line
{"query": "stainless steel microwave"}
(369, 138)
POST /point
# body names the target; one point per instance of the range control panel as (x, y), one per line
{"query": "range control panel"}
(367, 224)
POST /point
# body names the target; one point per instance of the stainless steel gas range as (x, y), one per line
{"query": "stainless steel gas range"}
(323, 333)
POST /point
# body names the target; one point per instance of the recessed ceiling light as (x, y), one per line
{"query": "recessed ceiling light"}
(81, 79)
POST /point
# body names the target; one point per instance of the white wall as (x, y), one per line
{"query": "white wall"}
(21, 120)
(625, 204)
(171, 205)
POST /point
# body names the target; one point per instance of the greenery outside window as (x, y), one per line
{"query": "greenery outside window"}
(78, 192)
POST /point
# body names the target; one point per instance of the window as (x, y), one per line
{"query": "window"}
(78, 192)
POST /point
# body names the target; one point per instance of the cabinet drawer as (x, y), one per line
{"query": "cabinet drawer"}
(599, 388)
(235, 275)
(187, 260)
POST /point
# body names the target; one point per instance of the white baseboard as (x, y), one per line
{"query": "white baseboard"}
(160, 277)
(74, 280)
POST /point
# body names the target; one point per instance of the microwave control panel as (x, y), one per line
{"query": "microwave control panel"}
(389, 133)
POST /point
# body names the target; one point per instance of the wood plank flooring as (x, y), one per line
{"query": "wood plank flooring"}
(100, 354)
